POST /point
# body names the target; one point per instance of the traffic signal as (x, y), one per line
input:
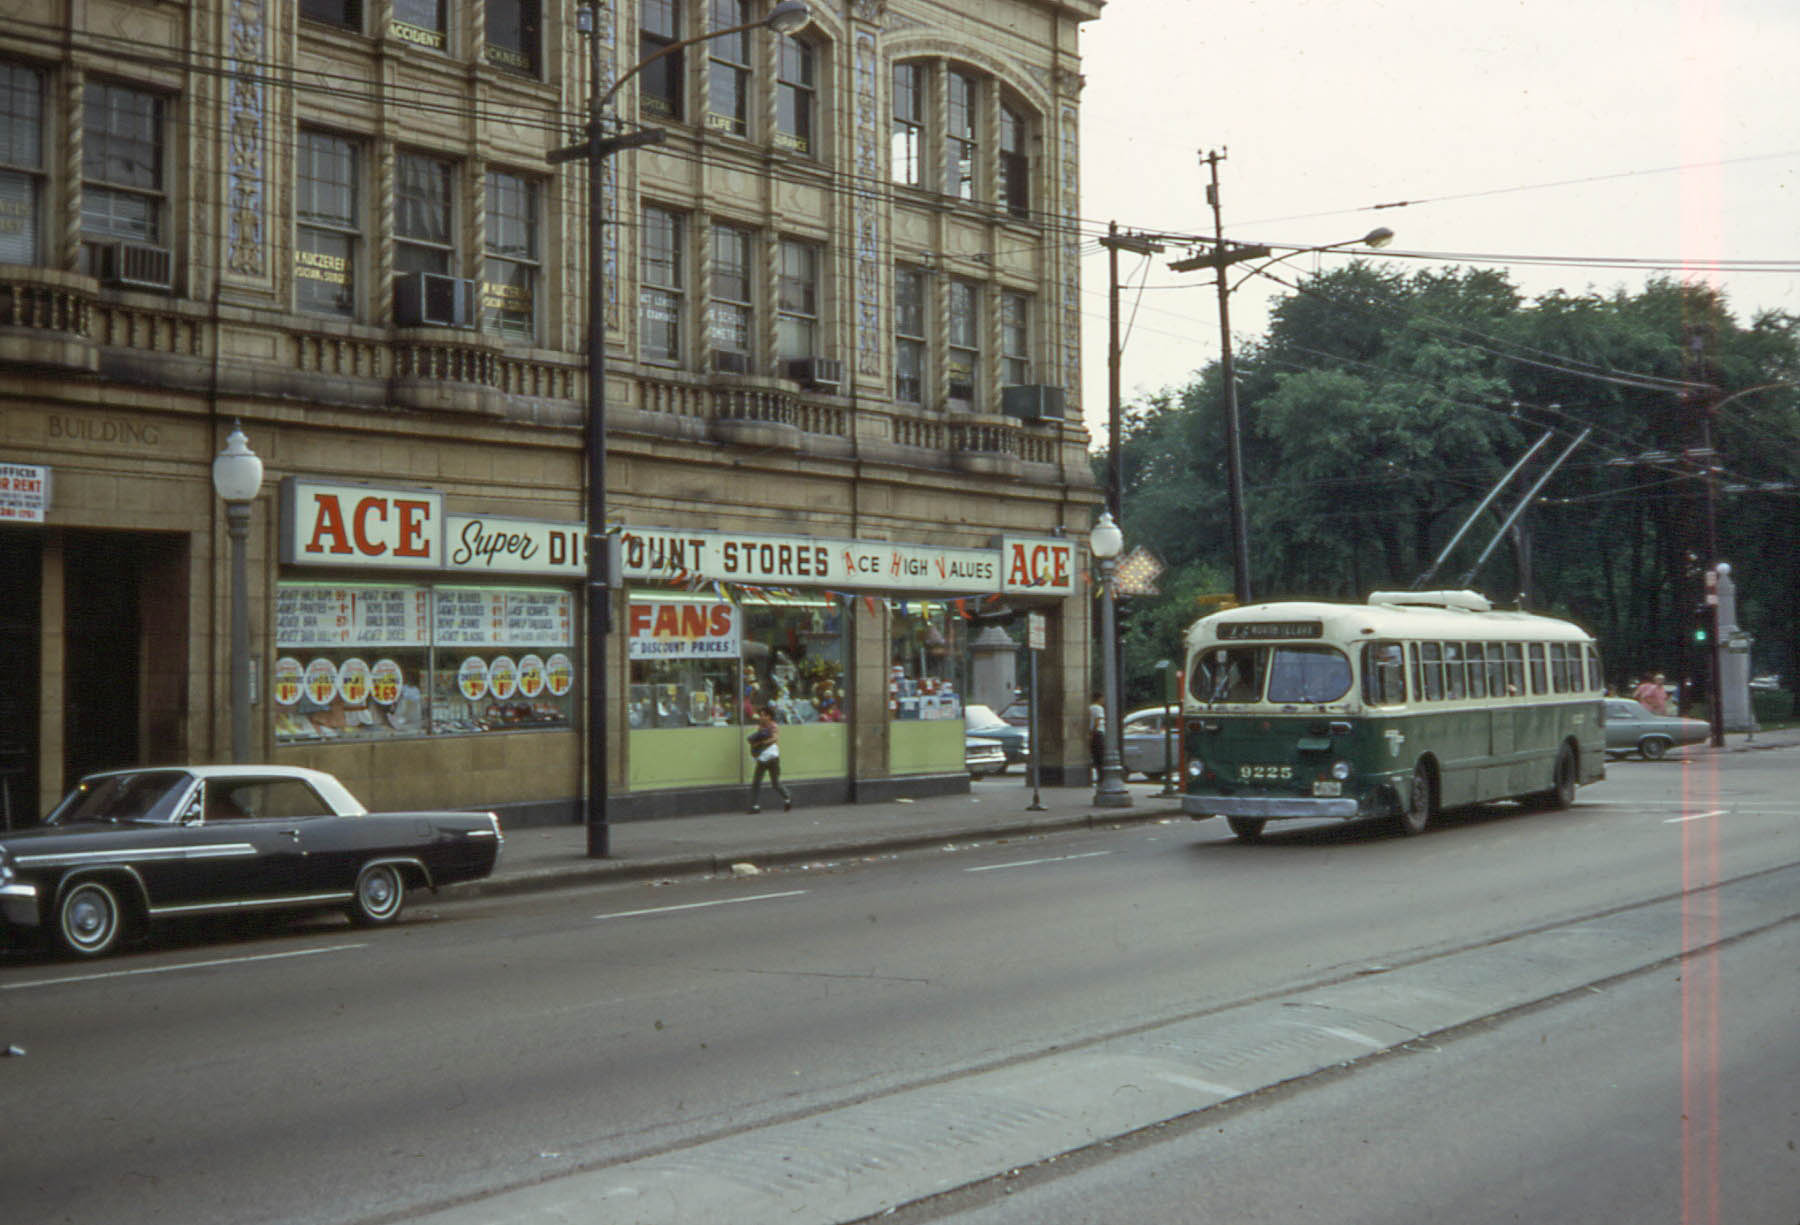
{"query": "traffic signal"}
(1700, 635)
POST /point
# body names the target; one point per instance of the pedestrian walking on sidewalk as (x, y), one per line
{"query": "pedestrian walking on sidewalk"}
(765, 747)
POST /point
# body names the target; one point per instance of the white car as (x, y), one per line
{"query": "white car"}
(1150, 736)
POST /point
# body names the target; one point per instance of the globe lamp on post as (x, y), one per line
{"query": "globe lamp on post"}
(1107, 542)
(237, 475)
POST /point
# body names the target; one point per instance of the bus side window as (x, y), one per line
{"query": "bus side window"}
(1496, 668)
(1454, 687)
(1477, 653)
(1433, 656)
(1596, 678)
(1384, 674)
(1539, 681)
(1515, 670)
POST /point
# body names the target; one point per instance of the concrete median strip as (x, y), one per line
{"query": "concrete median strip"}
(844, 1164)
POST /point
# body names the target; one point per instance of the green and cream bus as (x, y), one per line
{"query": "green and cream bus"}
(1400, 708)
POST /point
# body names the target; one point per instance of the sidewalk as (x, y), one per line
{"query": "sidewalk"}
(555, 857)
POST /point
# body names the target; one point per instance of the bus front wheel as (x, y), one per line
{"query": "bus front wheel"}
(1247, 828)
(1421, 801)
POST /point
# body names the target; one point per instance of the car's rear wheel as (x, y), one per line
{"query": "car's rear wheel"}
(380, 894)
(1247, 828)
(1421, 801)
(90, 919)
(1654, 748)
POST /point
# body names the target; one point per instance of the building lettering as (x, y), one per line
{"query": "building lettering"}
(110, 429)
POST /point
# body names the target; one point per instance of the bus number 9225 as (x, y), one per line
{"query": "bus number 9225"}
(1395, 710)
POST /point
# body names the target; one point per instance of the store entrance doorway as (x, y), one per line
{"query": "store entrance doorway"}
(22, 579)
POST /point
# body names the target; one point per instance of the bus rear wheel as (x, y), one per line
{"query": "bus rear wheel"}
(1562, 784)
(1421, 802)
(1247, 828)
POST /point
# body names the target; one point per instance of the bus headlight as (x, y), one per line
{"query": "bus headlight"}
(1195, 768)
(1340, 770)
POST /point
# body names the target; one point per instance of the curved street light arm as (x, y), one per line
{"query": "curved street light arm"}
(1380, 237)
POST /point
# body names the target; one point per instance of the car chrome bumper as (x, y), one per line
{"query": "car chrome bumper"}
(1269, 806)
(19, 904)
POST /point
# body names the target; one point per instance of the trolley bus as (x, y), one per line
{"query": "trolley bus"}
(1396, 709)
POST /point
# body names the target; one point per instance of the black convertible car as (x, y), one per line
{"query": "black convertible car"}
(128, 847)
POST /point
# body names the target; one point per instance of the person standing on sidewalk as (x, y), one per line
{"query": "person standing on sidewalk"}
(1654, 695)
(1097, 733)
(765, 747)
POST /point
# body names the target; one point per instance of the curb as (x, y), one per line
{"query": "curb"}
(581, 872)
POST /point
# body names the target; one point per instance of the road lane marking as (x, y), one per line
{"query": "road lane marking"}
(1027, 863)
(186, 965)
(730, 901)
(1699, 816)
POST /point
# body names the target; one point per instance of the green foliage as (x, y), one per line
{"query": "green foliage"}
(1382, 406)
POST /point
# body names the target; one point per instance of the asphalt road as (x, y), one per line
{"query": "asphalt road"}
(319, 1074)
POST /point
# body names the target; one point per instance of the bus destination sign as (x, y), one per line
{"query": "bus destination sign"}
(1236, 631)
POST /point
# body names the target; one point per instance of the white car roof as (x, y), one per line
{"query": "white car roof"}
(326, 784)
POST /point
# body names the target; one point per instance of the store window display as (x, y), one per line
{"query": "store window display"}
(928, 649)
(365, 661)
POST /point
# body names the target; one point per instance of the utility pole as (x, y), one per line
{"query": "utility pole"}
(1114, 242)
(1220, 257)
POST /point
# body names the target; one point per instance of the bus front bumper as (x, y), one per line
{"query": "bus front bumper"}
(1270, 806)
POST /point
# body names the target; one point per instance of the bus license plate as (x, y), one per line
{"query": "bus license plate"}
(1328, 787)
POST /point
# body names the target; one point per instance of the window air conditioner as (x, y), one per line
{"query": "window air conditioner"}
(425, 299)
(821, 372)
(1032, 402)
(730, 361)
(135, 265)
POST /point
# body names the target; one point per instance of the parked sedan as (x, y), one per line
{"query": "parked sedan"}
(1150, 736)
(983, 755)
(128, 847)
(1633, 727)
(979, 720)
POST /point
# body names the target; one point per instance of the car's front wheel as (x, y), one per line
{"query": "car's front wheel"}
(1654, 748)
(90, 919)
(380, 894)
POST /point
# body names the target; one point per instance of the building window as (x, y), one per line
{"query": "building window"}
(423, 213)
(659, 85)
(730, 324)
(513, 30)
(122, 189)
(959, 137)
(964, 357)
(797, 300)
(1015, 339)
(728, 86)
(344, 13)
(906, 156)
(1015, 163)
(660, 297)
(795, 104)
(21, 163)
(421, 23)
(510, 277)
(909, 335)
(325, 217)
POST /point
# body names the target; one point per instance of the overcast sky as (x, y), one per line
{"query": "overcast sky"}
(1634, 129)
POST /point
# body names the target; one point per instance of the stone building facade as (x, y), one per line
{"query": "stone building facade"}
(842, 413)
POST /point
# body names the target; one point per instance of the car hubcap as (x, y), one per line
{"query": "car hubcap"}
(378, 892)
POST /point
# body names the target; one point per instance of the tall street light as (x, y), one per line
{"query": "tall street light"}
(1220, 256)
(788, 17)
(1107, 542)
(237, 475)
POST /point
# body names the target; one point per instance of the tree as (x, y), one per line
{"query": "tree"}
(1381, 406)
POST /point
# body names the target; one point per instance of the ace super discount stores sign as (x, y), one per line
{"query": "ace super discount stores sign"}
(343, 525)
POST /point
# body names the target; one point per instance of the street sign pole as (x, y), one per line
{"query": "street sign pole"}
(1034, 642)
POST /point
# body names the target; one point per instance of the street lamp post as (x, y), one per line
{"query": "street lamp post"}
(237, 475)
(1220, 256)
(1107, 541)
(787, 17)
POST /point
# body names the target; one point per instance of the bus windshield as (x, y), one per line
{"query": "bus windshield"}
(1293, 674)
